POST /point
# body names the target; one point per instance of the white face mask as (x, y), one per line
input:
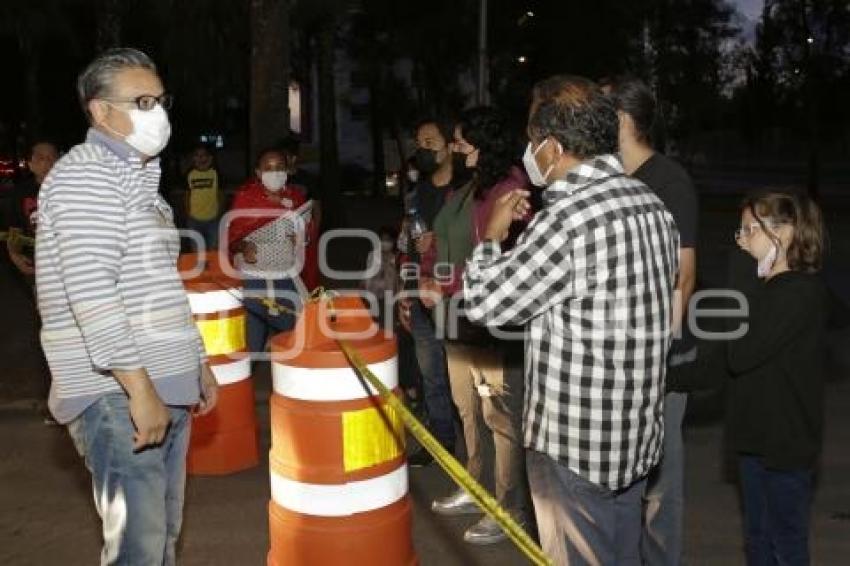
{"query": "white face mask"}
(765, 265)
(537, 178)
(273, 180)
(151, 130)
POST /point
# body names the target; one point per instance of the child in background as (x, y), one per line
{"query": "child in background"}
(384, 283)
(204, 198)
(776, 411)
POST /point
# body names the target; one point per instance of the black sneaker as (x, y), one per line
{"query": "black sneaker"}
(420, 459)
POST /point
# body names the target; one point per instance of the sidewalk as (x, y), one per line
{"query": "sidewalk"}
(48, 518)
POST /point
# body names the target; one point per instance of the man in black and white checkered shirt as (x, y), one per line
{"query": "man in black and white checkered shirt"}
(592, 280)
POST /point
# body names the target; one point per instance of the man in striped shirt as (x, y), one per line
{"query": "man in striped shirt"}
(126, 359)
(592, 280)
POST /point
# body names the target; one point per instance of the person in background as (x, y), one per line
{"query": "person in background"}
(433, 160)
(128, 362)
(485, 373)
(663, 513)
(204, 198)
(22, 216)
(591, 279)
(22, 212)
(384, 283)
(267, 247)
(775, 416)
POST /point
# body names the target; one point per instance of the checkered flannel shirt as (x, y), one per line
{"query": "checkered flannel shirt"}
(592, 280)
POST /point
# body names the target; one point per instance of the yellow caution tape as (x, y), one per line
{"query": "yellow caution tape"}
(370, 437)
(457, 472)
(15, 237)
(223, 335)
(393, 409)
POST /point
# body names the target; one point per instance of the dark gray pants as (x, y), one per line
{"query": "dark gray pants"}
(580, 522)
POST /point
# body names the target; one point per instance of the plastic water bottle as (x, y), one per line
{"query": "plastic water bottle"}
(416, 226)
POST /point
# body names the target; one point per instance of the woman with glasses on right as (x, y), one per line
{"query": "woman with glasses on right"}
(776, 410)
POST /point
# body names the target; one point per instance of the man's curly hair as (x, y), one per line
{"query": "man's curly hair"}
(576, 112)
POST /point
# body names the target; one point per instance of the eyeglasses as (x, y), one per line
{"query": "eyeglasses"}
(147, 102)
(746, 232)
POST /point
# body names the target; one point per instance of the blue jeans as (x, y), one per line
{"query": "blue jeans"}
(664, 500)
(776, 513)
(138, 495)
(260, 321)
(208, 229)
(435, 379)
(580, 522)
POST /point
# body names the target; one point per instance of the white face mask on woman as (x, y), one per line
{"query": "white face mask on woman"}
(151, 130)
(765, 265)
(273, 181)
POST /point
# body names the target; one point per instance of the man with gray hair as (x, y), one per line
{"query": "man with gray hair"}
(127, 361)
(591, 278)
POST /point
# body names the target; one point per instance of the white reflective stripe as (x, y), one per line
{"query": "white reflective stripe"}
(330, 384)
(215, 301)
(339, 500)
(232, 372)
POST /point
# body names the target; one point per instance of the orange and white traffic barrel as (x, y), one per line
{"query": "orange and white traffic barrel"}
(224, 440)
(339, 482)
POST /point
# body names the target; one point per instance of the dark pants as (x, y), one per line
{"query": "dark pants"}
(409, 376)
(776, 513)
(261, 320)
(580, 522)
(207, 229)
(435, 380)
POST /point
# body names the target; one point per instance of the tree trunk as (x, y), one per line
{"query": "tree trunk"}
(269, 115)
(328, 148)
(109, 16)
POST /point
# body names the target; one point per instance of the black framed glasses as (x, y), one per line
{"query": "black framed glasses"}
(147, 102)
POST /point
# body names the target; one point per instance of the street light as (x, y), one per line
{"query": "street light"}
(810, 40)
(521, 59)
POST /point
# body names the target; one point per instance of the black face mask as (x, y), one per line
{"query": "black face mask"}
(426, 160)
(461, 172)
(459, 162)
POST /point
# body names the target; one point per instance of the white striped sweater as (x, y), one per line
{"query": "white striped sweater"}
(108, 289)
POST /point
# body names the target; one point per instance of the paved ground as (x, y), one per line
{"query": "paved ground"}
(47, 516)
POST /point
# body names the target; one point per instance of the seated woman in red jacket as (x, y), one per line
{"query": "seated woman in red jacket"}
(266, 238)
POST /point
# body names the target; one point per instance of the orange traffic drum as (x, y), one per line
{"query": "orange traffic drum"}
(339, 481)
(225, 440)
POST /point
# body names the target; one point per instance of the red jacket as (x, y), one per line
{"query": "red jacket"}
(252, 195)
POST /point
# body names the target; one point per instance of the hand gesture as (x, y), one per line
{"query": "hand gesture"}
(424, 242)
(508, 208)
(430, 292)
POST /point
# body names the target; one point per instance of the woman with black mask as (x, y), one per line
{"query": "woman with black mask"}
(485, 373)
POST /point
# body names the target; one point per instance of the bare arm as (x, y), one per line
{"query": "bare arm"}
(685, 285)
